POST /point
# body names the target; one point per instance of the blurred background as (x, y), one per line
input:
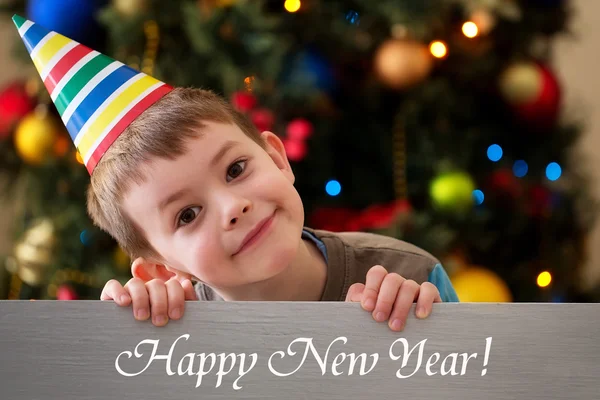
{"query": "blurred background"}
(470, 128)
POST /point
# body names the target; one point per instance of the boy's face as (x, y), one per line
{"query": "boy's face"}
(225, 212)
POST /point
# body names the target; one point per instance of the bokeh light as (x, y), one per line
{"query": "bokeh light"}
(478, 197)
(469, 29)
(292, 5)
(494, 152)
(438, 49)
(333, 188)
(544, 279)
(520, 168)
(553, 171)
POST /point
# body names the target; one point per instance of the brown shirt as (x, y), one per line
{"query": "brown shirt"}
(351, 254)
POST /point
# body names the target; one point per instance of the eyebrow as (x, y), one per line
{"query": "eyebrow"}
(174, 197)
(228, 145)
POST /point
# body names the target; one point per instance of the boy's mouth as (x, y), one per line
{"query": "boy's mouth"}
(256, 233)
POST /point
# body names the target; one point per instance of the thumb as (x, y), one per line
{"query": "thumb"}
(355, 292)
(188, 290)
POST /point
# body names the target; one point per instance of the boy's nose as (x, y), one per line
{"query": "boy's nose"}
(234, 211)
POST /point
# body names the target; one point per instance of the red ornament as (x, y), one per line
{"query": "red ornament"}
(540, 201)
(66, 292)
(378, 216)
(504, 183)
(263, 119)
(299, 129)
(295, 149)
(14, 105)
(543, 111)
(243, 101)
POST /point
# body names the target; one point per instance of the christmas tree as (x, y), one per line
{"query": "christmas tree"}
(438, 122)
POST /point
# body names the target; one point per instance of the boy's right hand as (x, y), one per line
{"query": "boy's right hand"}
(163, 300)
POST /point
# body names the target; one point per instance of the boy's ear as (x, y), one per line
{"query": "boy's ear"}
(147, 270)
(276, 150)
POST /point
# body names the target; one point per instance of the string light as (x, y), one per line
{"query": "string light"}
(333, 188)
(292, 5)
(494, 152)
(544, 279)
(520, 168)
(470, 29)
(438, 49)
(248, 82)
(478, 197)
(553, 171)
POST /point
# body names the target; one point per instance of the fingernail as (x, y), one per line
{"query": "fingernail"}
(141, 313)
(421, 313)
(176, 313)
(159, 320)
(380, 316)
(369, 304)
(396, 325)
(124, 298)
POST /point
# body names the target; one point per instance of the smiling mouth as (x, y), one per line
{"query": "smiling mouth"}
(256, 234)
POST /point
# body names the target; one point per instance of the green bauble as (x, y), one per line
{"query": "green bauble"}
(452, 192)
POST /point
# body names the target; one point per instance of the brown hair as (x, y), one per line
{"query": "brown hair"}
(161, 131)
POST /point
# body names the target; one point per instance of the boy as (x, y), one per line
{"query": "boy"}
(191, 190)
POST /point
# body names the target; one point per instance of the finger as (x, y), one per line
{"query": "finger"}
(373, 282)
(114, 291)
(159, 303)
(175, 298)
(355, 292)
(428, 294)
(387, 296)
(139, 296)
(188, 290)
(409, 291)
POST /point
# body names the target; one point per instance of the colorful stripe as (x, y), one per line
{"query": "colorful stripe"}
(51, 53)
(150, 98)
(112, 111)
(62, 67)
(33, 36)
(96, 96)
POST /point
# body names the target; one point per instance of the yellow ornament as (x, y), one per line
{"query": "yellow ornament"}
(130, 8)
(402, 63)
(452, 192)
(479, 285)
(521, 83)
(35, 137)
(35, 251)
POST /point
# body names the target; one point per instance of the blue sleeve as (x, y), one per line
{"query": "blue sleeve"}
(440, 279)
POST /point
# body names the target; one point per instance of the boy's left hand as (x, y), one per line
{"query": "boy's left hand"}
(390, 296)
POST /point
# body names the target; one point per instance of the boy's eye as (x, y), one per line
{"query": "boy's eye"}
(188, 215)
(236, 169)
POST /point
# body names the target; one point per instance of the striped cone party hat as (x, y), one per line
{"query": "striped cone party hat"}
(97, 97)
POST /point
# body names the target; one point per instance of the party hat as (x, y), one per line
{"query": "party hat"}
(97, 97)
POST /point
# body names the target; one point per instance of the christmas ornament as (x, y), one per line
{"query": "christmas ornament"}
(295, 149)
(452, 192)
(66, 292)
(15, 103)
(243, 101)
(34, 252)
(503, 183)
(114, 95)
(479, 285)
(263, 119)
(310, 69)
(484, 20)
(130, 8)
(377, 216)
(401, 64)
(299, 129)
(35, 137)
(73, 18)
(533, 93)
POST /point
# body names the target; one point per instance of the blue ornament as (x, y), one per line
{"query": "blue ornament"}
(309, 69)
(75, 19)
